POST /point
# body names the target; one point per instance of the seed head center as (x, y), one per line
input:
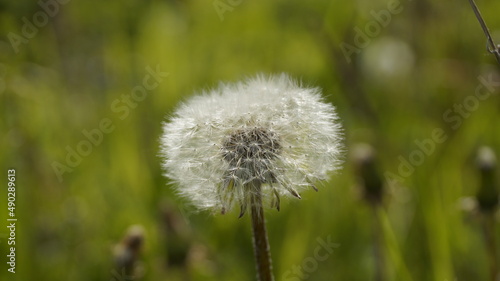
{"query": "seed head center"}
(250, 147)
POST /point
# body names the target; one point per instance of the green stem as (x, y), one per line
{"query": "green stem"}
(260, 242)
(378, 244)
(489, 237)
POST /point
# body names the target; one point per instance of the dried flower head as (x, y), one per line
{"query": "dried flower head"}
(266, 132)
(488, 194)
(127, 253)
(365, 161)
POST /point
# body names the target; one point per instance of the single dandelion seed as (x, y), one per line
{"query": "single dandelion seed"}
(251, 144)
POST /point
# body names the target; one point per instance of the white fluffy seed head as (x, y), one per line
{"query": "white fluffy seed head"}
(265, 130)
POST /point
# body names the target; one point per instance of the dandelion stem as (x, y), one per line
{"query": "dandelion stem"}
(489, 237)
(378, 249)
(260, 242)
(491, 46)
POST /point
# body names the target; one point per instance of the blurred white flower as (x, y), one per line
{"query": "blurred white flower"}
(266, 131)
(388, 58)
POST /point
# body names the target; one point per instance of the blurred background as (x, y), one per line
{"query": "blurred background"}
(85, 86)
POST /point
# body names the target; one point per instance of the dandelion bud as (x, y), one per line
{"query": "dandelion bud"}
(487, 195)
(367, 173)
(265, 133)
(126, 253)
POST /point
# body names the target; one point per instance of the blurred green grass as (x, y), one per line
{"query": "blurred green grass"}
(65, 79)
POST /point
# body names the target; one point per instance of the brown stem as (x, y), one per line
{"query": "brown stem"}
(260, 243)
(492, 47)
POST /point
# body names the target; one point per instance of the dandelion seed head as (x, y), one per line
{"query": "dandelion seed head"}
(267, 130)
